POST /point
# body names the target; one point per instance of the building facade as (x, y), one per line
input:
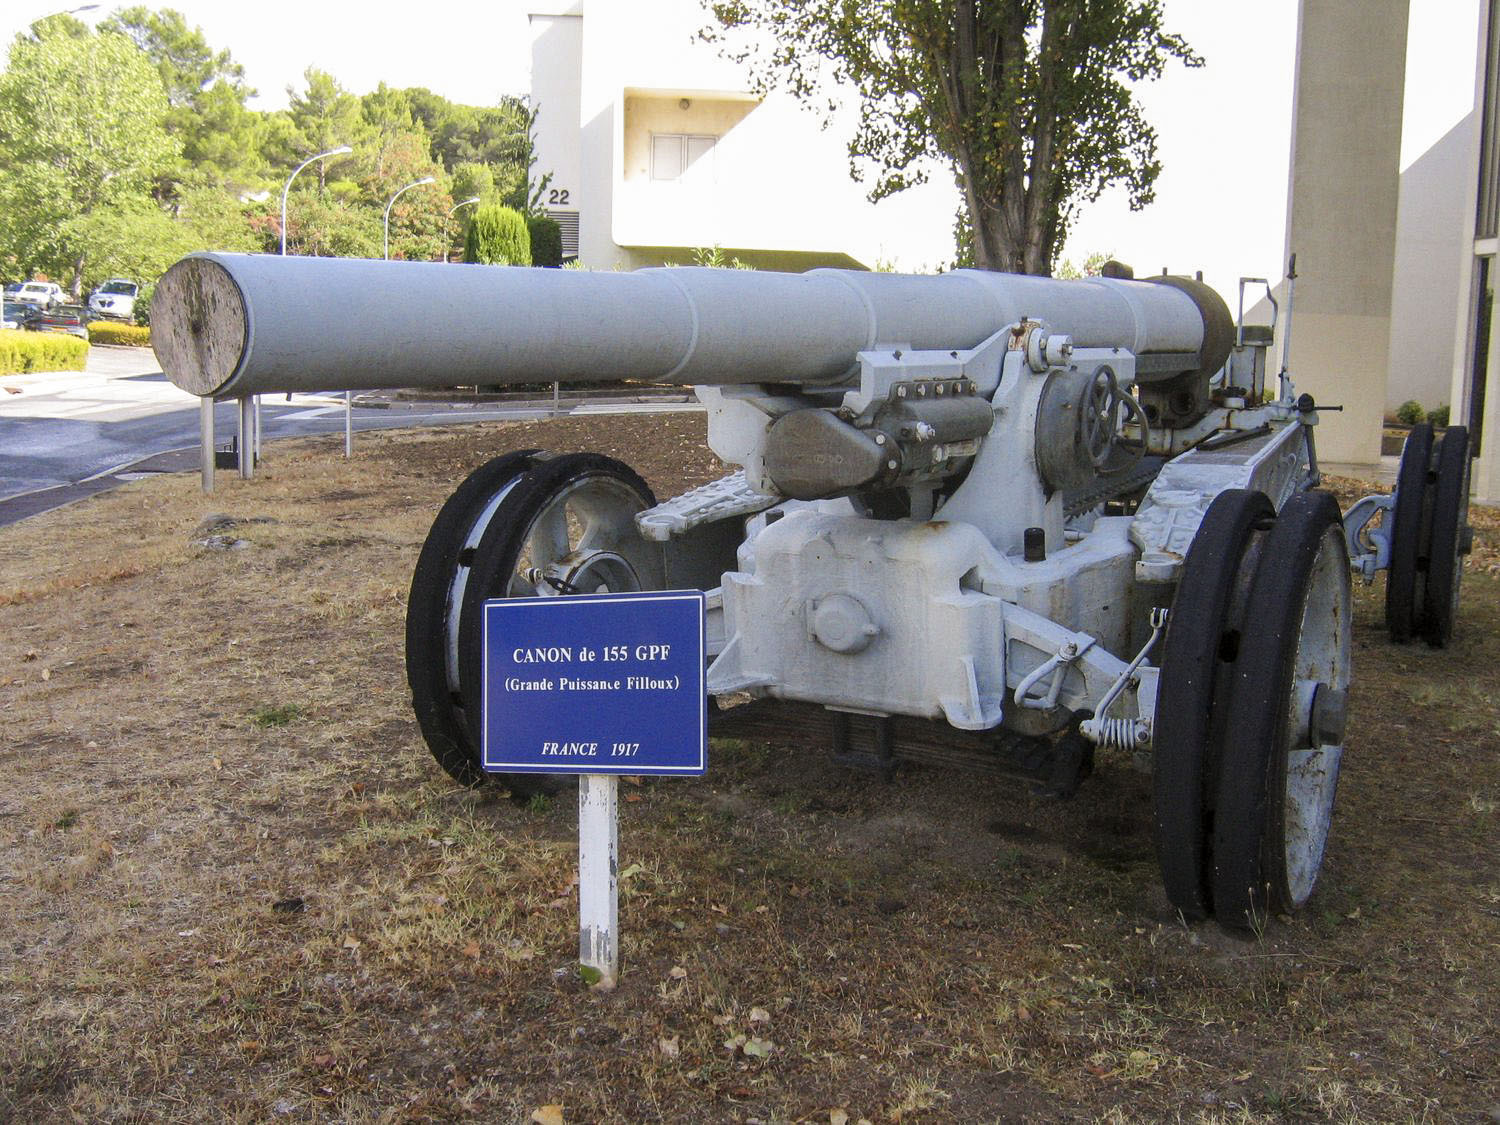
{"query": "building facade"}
(656, 148)
(1475, 386)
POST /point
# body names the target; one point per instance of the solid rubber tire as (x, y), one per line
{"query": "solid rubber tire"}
(1450, 505)
(495, 560)
(1406, 534)
(1257, 728)
(1184, 743)
(427, 616)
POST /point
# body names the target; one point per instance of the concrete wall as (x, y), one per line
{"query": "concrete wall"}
(1346, 146)
(556, 58)
(1425, 290)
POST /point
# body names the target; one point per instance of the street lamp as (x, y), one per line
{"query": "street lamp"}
(392, 202)
(322, 155)
(451, 211)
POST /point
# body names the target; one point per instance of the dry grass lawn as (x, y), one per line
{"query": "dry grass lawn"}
(236, 887)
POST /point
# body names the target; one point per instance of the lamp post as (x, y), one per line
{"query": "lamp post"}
(451, 211)
(392, 202)
(311, 159)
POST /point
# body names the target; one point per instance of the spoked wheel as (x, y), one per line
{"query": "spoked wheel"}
(1201, 640)
(1284, 719)
(565, 527)
(437, 587)
(1448, 539)
(1407, 535)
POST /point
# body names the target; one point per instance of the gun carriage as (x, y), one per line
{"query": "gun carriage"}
(1066, 512)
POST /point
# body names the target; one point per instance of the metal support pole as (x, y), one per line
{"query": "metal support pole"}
(257, 426)
(598, 865)
(247, 439)
(556, 397)
(206, 441)
(348, 425)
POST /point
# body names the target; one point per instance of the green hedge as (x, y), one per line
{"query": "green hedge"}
(24, 352)
(113, 332)
(498, 237)
(546, 241)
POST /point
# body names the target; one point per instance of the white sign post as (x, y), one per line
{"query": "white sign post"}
(598, 875)
(596, 685)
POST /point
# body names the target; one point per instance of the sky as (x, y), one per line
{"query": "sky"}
(1224, 130)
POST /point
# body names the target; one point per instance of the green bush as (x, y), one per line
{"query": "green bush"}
(143, 303)
(24, 352)
(114, 332)
(1410, 412)
(498, 237)
(1438, 417)
(546, 241)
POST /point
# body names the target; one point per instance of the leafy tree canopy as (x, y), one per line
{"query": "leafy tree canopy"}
(81, 133)
(1029, 102)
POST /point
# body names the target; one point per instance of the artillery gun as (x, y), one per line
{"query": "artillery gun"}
(1063, 512)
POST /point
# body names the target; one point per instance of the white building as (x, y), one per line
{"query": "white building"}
(656, 148)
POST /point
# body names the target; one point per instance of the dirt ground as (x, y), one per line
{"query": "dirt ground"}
(235, 886)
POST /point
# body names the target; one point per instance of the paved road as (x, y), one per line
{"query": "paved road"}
(64, 435)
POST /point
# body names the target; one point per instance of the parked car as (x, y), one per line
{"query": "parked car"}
(42, 294)
(115, 299)
(72, 319)
(16, 313)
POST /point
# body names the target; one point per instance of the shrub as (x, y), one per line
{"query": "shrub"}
(498, 237)
(1438, 417)
(546, 241)
(1410, 412)
(112, 332)
(143, 303)
(24, 352)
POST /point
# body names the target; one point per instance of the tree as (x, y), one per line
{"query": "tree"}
(323, 116)
(206, 93)
(1029, 102)
(81, 135)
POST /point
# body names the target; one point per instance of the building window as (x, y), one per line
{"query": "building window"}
(682, 158)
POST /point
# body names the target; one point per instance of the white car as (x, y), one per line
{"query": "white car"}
(115, 298)
(43, 294)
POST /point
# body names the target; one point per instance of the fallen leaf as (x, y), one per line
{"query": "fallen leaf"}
(547, 1115)
(670, 1048)
(47, 675)
(323, 1061)
(759, 1015)
(734, 1043)
(758, 1048)
(837, 1117)
(632, 797)
(351, 942)
(630, 872)
(723, 1021)
(591, 976)
(249, 1044)
(677, 972)
(218, 762)
(471, 949)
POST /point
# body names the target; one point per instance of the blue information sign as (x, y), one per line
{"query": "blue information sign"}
(597, 683)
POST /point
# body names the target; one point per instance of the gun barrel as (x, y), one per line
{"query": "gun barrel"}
(238, 324)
